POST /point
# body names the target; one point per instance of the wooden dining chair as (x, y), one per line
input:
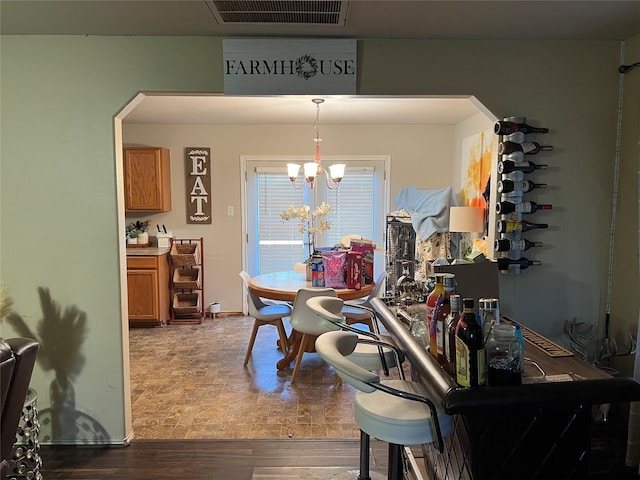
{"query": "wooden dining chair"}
(264, 314)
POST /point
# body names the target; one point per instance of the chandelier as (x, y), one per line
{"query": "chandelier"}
(314, 169)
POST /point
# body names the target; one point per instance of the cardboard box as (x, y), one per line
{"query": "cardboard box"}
(474, 280)
(367, 261)
(354, 270)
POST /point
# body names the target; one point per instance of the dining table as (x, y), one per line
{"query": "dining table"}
(283, 286)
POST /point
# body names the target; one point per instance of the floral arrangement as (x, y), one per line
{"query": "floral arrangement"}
(133, 230)
(311, 222)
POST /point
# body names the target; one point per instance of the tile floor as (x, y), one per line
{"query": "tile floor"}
(188, 382)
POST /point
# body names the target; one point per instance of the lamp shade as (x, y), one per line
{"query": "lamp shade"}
(466, 219)
(293, 169)
(337, 171)
(311, 170)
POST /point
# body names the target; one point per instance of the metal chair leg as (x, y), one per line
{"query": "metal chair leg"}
(364, 456)
(396, 465)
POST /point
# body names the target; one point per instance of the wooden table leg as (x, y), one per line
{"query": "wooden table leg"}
(294, 345)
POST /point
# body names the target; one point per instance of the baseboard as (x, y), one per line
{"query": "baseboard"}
(225, 314)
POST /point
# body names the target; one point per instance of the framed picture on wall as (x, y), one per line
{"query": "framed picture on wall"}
(198, 184)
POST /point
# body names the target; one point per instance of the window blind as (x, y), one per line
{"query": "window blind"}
(277, 245)
(280, 243)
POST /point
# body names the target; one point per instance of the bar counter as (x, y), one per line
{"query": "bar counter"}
(540, 429)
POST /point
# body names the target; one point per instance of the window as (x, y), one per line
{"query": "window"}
(359, 207)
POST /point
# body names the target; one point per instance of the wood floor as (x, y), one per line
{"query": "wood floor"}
(212, 459)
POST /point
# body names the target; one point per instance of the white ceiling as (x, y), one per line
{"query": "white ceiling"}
(336, 110)
(530, 19)
(461, 19)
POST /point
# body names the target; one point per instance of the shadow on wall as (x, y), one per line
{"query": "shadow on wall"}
(61, 335)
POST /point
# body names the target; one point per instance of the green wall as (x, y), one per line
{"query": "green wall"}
(58, 179)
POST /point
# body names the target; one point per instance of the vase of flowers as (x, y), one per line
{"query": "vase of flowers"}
(137, 233)
(309, 222)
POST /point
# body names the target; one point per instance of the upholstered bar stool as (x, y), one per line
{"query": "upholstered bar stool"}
(319, 310)
(264, 314)
(399, 412)
(330, 312)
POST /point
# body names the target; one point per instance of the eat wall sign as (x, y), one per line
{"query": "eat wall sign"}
(198, 178)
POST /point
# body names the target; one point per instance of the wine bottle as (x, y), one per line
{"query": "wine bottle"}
(507, 128)
(450, 333)
(528, 148)
(432, 302)
(503, 208)
(520, 264)
(514, 157)
(505, 186)
(504, 245)
(516, 176)
(471, 360)
(507, 226)
(443, 308)
(513, 197)
(507, 166)
(517, 137)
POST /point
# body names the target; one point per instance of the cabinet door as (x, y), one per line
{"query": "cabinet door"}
(143, 295)
(147, 179)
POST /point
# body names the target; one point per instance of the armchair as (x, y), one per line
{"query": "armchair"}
(17, 359)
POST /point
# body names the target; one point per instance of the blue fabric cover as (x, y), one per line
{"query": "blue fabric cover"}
(429, 209)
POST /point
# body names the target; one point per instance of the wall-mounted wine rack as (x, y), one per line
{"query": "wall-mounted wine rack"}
(515, 150)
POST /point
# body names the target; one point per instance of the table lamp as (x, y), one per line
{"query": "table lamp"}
(469, 222)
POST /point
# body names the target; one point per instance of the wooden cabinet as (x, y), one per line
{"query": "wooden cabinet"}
(147, 179)
(148, 287)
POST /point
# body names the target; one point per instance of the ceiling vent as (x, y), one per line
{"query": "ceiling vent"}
(292, 12)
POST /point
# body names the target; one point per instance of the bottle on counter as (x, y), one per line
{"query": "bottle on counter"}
(443, 308)
(508, 166)
(503, 208)
(450, 333)
(503, 356)
(508, 128)
(418, 329)
(489, 311)
(520, 337)
(471, 366)
(432, 300)
(504, 245)
(508, 226)
(528, 148)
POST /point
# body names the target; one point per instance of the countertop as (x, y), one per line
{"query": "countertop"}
(146, 251)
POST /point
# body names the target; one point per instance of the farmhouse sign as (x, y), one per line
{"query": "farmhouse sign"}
(198, 188)
(292, 66)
